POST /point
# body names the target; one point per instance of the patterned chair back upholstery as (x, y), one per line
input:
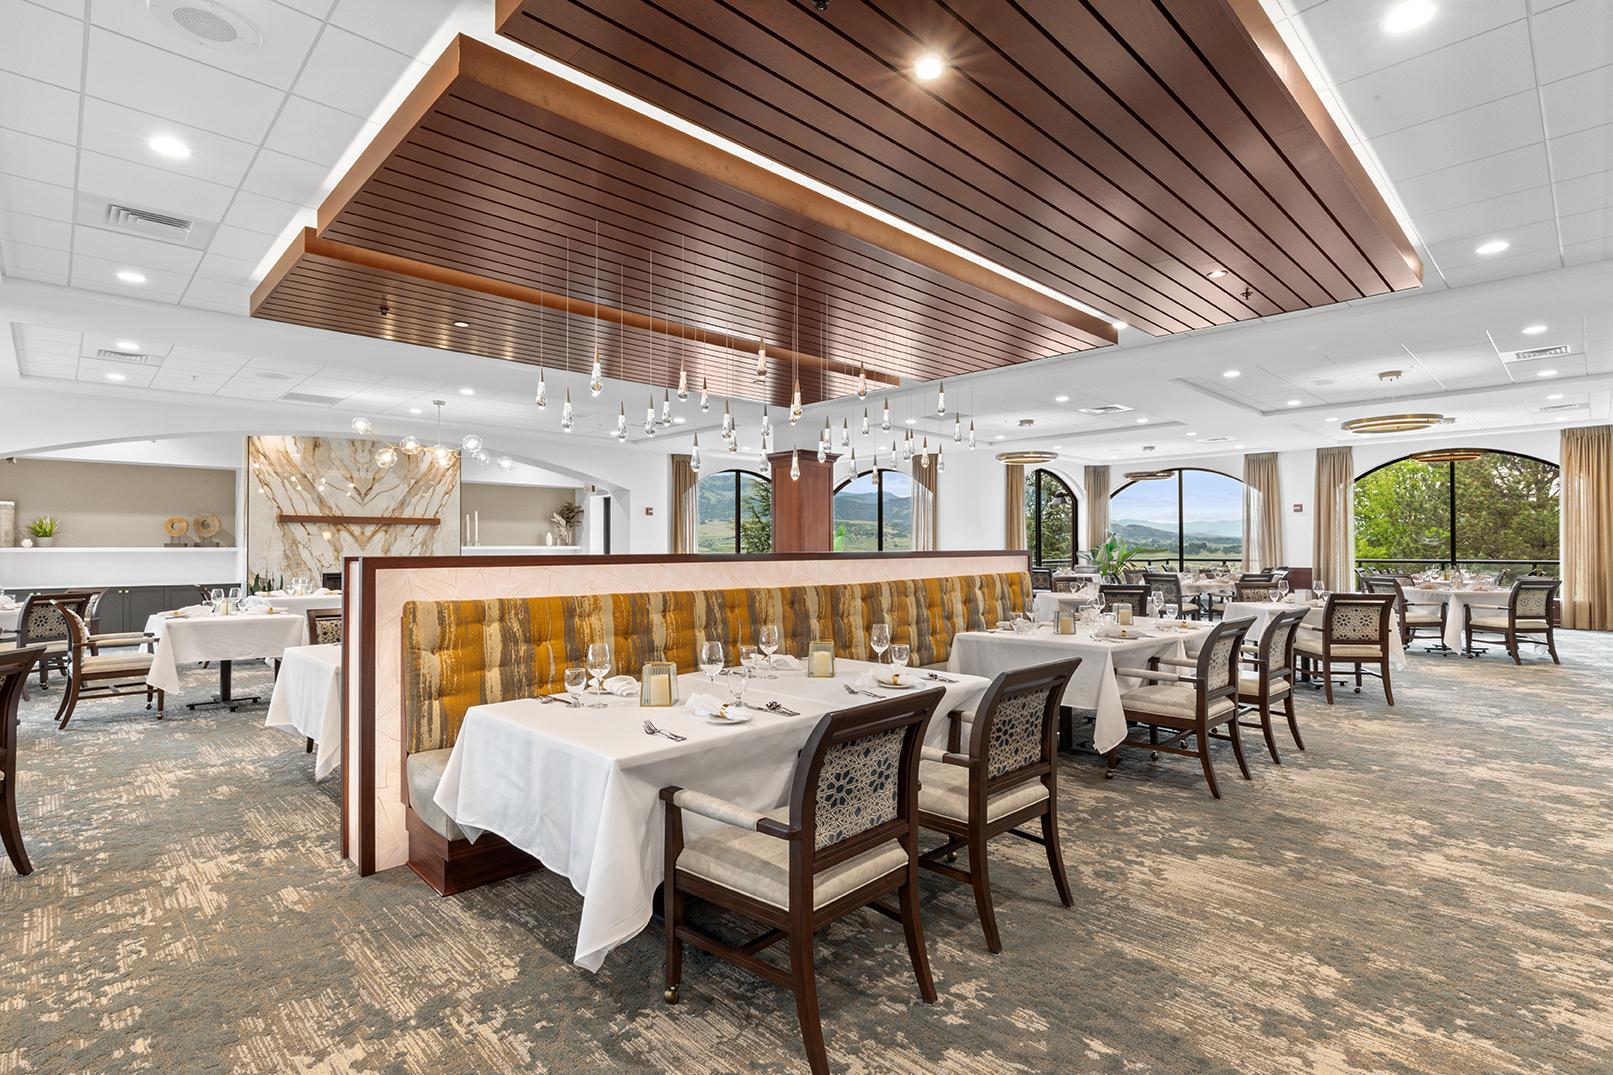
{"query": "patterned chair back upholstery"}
(324, 626)
(1357, 619)
(1168, 584)
(1218, 659)
(1041, 578)
(1014, 722)
(1276, 647)
(1255, 576)
(857, 778)
(1531, 598)
(1135, 596)
(41, 617)
(458, 654)
(1255, 591)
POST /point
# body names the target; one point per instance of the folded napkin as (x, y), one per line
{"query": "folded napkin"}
(621, 686)
(783, 662)
(707, 706)
(886, 677)
(1116, 631)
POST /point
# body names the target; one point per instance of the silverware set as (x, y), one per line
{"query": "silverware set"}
(650, 728)
(776, 707)
(938, 679)
(866, 694)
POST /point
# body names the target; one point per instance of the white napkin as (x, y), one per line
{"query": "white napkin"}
(882, 678)
(783, 662)
(1116, 631)
(7, 601)
(621, 686)
(704, 705)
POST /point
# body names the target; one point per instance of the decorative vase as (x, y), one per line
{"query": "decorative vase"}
(42, 542)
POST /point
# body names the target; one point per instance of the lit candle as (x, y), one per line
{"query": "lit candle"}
(660, 691)
(1123, 614)
(476, 525)
(822, 664)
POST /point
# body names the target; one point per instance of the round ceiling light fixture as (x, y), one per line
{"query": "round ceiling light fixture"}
(207, 23)
(1450, 455)
(1027, 457)
(1408, 16)
(166, 145)
(1393, 423)
(929, 67)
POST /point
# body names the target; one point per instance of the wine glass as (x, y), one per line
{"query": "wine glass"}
(767, 640)
(214, 596)
(599, 664)
(879, 640)
(750, 657)
(1169, 611)
(576, 681)
(899, 655)
(711, 660)
(737, 681)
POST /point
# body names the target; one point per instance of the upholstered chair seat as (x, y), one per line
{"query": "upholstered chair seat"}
(424, 771)
(1249, 686)
(119, 638)
(1499, 623)
(1424, 616)
(1171, 700)
(1528, 609)
(944, 790)
(106, 665)
(99, 675)
(1312, 646)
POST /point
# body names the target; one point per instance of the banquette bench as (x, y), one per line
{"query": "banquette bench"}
(459, 654)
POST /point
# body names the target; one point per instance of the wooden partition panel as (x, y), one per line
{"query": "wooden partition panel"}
(374, 830)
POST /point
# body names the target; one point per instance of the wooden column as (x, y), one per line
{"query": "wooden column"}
(803, 509)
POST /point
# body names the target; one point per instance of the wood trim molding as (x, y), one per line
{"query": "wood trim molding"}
(362, 520)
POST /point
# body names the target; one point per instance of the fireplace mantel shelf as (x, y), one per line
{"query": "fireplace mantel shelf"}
(362, 520)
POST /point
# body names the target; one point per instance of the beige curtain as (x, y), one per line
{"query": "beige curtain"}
(1333, 550)
(1097, 483)
(1014, 507)
(1587, 528)
(1262, 513)
(926, 525)
(682, 505)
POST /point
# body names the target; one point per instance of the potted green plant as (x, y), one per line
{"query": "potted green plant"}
(43, 530)
(1112, 558)
(565, 523)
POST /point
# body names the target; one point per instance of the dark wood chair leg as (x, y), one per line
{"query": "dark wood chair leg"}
(913, 926)
(1111, 759)
(1327, 680)
(1055, 855)
(1388, 691)
(1209, 766)
(1293, 723)
(1516, 648)
(69, 699)
(673, 915)
(1237, 747)
(1551, 644)
(980, 877)
(1358, 677)
(9, 832)
(308, 747)
(1265, 729)
(162, 696)
(805, 981)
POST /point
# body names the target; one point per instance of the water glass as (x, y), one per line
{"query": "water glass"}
(879, 640)
(576, 680)
(899, 656)
(1170, 611)
(599, 664)
(767, 639)
(737, 681)
(213, 598)
(711, 660)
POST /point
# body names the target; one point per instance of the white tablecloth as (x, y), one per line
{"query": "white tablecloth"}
(10, 617)
(1263, 611)
(1096, 684)
(200, 637)
(1456, 600)
(579, 789)
(1046, 603)
(307, 701)
(302, 604)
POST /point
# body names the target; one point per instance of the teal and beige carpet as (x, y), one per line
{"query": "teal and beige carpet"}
(1426, 889)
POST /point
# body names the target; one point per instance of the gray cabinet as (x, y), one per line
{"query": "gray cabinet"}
(127, 608)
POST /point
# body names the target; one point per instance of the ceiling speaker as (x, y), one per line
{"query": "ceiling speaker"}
(207, 23)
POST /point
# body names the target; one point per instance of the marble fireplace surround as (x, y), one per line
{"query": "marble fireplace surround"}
(373, 826)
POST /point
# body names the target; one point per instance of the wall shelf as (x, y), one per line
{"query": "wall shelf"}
(361, 520)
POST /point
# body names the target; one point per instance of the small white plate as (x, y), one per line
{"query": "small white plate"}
(905, 686)
(730, 715)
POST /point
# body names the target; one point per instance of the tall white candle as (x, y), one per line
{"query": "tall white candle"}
(476, 524)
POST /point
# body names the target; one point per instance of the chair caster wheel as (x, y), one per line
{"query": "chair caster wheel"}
(671, 995)
(1108, 774)
(1153, 755)
(952, 856)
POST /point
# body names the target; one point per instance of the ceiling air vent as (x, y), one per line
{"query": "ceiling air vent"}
(309, 397)
(1540, 352)
(1214, 440)
(1561, 407)
(149, 223)
(1105, 408)
(128, 358)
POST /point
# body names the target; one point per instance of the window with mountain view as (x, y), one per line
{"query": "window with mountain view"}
(1051, 517)
(1497, 511)
(873, 512)
(733, 513)
(1193, 518)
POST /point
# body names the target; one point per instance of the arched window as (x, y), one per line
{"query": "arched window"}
(1052, 518)
(733, 512)
(1192, 518)
(1498, 510)
(873, 512)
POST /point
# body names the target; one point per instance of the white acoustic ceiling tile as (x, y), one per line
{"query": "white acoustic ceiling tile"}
(240, 244)
(217, 267)
(1584, 193)
(279, 364)
(21, 256)
(1469, 72)
(31, 334)
(134, 250)
(1582, 152)
(315, 132)
(218, 294)
(32, 157)
(1475, 181)
(1509, 210)
(34, 369)
(405, 25)
(41, 44)
(1572, 37)
(37, 108)
(91, 342)
(1577, 103)
(1502, 268)
(167, 381)
(165, 84)
(352, 73)
(71, 8)
(29, 196)
(129, 183)
(1594, 250)
(1584, 227)
(270, 216)
(102, 275)
(1355, 43)
(123, 132)
(202, 359)
(286, 35)
(1482, 131)
(288, 179)
(36, 230)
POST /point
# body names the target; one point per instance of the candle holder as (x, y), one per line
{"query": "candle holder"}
(1066, 622)
(820, 660)
(658, 684)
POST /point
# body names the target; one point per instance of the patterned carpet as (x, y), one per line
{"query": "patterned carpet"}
(1426, 889)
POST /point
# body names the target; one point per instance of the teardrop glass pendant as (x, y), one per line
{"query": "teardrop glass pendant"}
(862, 381)
(705, 396)
(823, 454)
(924, 454)
(649, 419)
(865, 421)
(940, 459)
(542, 398)
(941, 400)
(957, 429)
(694, 455)
(845, 433)
(767, 422)
(795, 466)
(795, 404)
(666, 409)
(727, 420)
(621, 421)
(971, 435)
(885, 417)
(683, 383)
(565, 414)
(761, 361)
(596, 377)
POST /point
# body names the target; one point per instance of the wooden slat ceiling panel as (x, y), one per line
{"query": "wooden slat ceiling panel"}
(1115, 150)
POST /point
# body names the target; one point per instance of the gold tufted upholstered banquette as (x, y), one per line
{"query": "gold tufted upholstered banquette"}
(457, 654)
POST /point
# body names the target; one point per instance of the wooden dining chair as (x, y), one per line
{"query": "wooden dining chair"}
(1007, 777)
(1355, 632)
(109, 675)
(324, 626)
(1168, 584)
(1041, 578)
(1261, 591)
(1189, 705)
(14, 668)
(848, 837)
(1272, 658)
(1527, 612)
(40, 623)
(1412, 618)
(1136, 596)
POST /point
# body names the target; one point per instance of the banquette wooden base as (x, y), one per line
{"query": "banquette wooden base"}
(451, 866)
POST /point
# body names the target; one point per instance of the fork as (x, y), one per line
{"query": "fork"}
(939, 679)
(867, 694)
(776, 707)
(651, 729)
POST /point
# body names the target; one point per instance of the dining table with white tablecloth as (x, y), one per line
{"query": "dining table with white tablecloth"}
(191, 635)
(1047, 604)
(301, 603)
(1456, 600)
(1100, 680)
(1263, 611)
(307, 701)
(579, 789)
(10, 616)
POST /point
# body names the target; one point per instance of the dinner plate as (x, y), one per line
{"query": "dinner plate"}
(894, 686)
(737, 716)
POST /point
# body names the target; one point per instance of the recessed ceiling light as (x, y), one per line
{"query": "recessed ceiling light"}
(1564, 417)
(130, 276)
(1118, 325)
(1235, 447)
(1192, 434)
(127, 345)
(1330, 418)
(1061, 399)
(1533, 330)
(1216, 274)
(1546, 373)
(415, 410)
(1142, 421)
(679, 420)
(1294, 403)
(1232, 373)
(462, 324)
(166, 145)
(1555, 395)
(1000, 436)
(1494, 246)
(1405, 17)
(1058, 447)
(929, 67)
(116, 377)
(467, 391)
